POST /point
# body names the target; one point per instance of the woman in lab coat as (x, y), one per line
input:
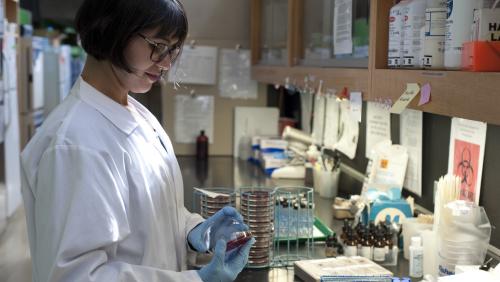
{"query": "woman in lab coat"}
(102, 188)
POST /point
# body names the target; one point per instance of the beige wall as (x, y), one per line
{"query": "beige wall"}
(220, 23)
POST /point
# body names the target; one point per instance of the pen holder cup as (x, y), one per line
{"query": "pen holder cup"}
(326, 182)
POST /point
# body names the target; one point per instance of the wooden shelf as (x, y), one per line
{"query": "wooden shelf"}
(333, 78)
(468, 95)
(454, 93)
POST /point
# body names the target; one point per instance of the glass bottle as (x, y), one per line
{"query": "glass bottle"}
(330, 250)
(359, 228)
(360, 231)
(202, 146)
(372, 230)
(361, 239)
(351, 246)
(389, 242)
(345, 228)
(379, 248)
(367, 246)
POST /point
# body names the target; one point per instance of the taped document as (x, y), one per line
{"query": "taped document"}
(193, 114)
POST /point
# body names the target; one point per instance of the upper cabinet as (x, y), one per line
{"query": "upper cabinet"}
(457, 93)
(321, 44)
(334, 33)
(273, 47)
(305, 42)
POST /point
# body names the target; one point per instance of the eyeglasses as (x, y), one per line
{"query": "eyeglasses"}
(160, 51)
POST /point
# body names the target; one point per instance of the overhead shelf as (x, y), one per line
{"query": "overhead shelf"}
(468, 95)
(296, 69)
(333, 78)
(463, 94)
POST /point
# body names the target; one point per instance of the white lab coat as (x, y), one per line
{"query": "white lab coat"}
(104, 197)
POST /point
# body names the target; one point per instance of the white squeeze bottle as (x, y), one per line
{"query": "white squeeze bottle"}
(396, 20)
(416, 257)
(435, 29)
(413, 22)
(460, 17)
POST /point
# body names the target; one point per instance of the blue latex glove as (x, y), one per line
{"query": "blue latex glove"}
(224, 268)
(221, 225)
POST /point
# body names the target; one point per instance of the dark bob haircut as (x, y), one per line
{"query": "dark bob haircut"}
(106, 26)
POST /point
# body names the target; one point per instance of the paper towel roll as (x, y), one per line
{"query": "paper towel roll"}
(291, 133)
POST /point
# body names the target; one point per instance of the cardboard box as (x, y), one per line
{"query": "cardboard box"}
(341, 269)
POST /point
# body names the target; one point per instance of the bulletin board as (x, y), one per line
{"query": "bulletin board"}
(211, 25)
(435, 147)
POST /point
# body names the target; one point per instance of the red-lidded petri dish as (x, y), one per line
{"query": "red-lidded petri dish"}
(241, 239)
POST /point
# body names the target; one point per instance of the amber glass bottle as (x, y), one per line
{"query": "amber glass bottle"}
(367, 245)
(379, 247)
(351, 245)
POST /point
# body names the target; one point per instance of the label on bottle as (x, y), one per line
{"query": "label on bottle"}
(389, 256)
(414, 21)
(395, 40)
(366, 252)
(351, 251)
(435, 30)
(436, 3)
(416, 264)
(435, 22)
(379, 254)
(458, 30)
(433, 52)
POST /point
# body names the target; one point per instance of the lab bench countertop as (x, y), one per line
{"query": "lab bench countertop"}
(234, 173)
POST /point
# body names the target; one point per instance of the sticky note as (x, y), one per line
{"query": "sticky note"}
(425, 94)
(412, 90)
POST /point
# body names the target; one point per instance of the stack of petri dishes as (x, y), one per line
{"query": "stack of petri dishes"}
(208, 201)
(257, 209)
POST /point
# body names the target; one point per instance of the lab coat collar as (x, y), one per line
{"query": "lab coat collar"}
(112, 110)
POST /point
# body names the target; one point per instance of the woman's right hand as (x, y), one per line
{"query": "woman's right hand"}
(224, 268)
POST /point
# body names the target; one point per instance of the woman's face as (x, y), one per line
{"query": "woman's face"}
(145, 72)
